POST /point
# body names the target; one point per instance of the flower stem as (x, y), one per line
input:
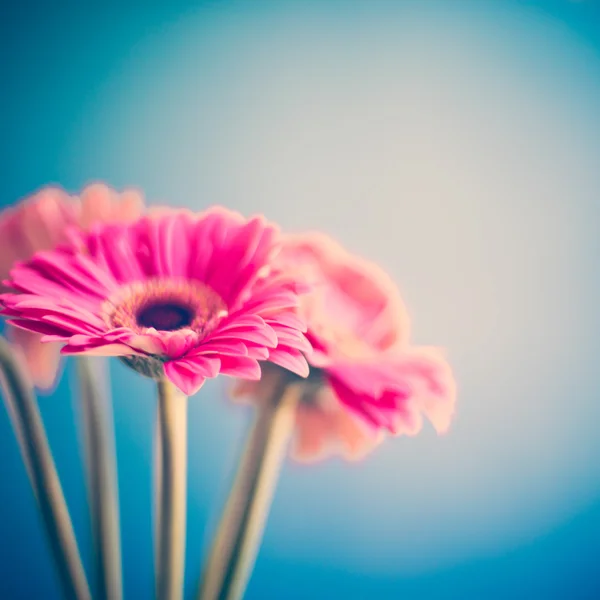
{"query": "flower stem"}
(27, 423)
(171, 467)
(102, 477)
(238, 538)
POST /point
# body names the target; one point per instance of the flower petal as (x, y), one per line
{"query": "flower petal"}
(290, 359)
(183, 378)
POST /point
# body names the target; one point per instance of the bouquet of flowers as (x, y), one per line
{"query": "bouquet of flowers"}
(316, 338)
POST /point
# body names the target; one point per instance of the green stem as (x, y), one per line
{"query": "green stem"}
(27, 423)
(171, 471)
(238, 538)
(102, 477)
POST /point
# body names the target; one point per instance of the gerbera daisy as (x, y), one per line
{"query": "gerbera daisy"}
(175, 295)
(365, 378)
(41, 222)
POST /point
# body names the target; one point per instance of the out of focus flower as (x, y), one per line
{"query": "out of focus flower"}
(174, 294)
(365, 377)
(41, 222)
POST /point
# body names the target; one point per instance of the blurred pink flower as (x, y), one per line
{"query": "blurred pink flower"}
(365, 377)
(174, 294)
(41, 222)
(100, 204)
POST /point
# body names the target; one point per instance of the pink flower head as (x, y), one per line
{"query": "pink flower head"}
(365, 378)
(41, 222)
(174, 294)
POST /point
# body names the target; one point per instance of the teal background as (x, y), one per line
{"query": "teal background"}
(457, 144)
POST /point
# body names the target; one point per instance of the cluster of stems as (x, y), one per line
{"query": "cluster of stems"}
(232, 555)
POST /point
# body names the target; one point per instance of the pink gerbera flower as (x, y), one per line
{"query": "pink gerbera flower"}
(365, 378)
(41, 222)
(175, 294)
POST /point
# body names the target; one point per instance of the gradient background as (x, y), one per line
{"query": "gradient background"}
(456, 143)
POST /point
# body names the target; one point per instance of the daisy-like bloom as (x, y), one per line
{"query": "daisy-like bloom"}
(41, 222)
(175, 295)
(365, 378)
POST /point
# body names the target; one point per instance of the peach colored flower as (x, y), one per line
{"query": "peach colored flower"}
(365, 376)
(41, 222)
(178, 295)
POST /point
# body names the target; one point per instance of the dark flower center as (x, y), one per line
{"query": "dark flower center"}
(165, 304)
(165, 316)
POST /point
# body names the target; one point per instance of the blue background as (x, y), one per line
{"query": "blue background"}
(456, 143)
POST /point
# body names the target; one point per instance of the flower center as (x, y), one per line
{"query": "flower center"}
(165, 316)
(165, 305)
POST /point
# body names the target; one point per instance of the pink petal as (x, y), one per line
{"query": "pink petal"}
(39, 327)
(263, 335)
(42, 359)
(289, 359)
(240, 366)
(100, 350)
(183, 378)
(207, 366)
